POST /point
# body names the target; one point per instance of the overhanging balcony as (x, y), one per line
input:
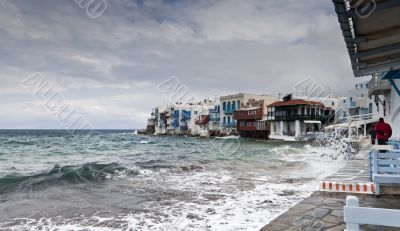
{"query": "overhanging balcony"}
(229, 124)
(229, 110)
(298, 117)
(377, 86)
(254, 114)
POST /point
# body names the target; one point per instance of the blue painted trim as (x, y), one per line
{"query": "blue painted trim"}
(395, 86)
(394, 74)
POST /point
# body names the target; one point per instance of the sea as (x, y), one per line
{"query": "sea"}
(118, 180)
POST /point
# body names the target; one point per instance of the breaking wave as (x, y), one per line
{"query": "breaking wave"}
(87, 173)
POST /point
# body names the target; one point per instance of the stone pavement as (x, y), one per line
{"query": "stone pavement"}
(324, 211)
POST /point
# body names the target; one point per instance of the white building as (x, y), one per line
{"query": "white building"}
(373, 49)
(384, 88)
(180, 119)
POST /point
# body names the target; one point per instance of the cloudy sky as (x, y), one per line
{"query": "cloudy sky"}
(108, 67)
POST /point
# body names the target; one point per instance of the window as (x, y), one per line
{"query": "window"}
(351, 99)
(224, 119)
(333, 103)
(344, 101)
(238, 104)
(224, 106)
(252, 112)
(195, 112)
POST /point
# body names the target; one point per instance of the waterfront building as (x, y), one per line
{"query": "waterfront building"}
(150, 127)
(384, 88)
(198, 122)
(339, 104)
(251, 118)
(297, 117)
(230, 103)
(160, 120)
(214, 120)
(181, 119)
(362, 103)
(373, 49)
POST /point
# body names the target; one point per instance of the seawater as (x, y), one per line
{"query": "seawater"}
(118, 180)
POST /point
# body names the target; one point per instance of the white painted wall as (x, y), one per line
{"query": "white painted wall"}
(394, 117)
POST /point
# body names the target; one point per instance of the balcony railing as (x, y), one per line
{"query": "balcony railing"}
(254, 126)
(255, 114)
(230, 124)
(175, 123)
(298, 117)
(229, 110)
(203, 120)
(175, 114)
(186, 115)
(215, 119)
(377, 86)
(214, 110)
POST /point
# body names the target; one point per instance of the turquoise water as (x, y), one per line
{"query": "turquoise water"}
(117, 180)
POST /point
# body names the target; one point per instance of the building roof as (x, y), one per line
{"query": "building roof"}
(371, 30)
(295, 102)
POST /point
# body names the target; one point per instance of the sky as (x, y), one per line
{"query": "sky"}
(108, 64)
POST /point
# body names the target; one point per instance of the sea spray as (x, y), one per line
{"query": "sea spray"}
(335, 140)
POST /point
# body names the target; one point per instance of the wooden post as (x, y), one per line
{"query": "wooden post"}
(351, 201)
(365, 128)
(375, 169)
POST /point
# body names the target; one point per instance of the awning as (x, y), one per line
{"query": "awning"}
(371, 30)
(312, 121)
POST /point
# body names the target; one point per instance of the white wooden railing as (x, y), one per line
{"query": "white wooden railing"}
(386, 166)
(355, 215)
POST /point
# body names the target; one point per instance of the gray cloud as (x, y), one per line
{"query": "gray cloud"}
(109, 67)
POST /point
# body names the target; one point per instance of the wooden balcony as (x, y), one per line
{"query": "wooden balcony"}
(253, 126)
(204, 119)
(253, 114)
(378, 87)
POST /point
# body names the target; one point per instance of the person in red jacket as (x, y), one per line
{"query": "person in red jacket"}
(383, 132)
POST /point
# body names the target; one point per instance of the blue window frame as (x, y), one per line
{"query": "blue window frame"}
(224, 106)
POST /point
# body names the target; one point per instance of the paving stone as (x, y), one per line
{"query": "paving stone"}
(336, 228)
(332, 219)
(337, 213)
(320, 212)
